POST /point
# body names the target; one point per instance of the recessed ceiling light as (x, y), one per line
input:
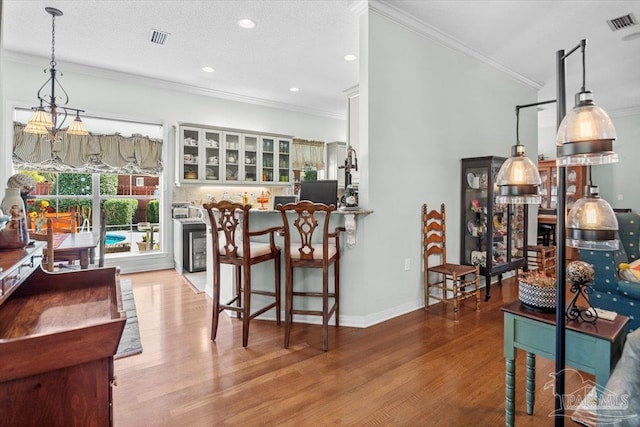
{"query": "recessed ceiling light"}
(294, 89)
(350, 57)
(246, 23)
(208, 69)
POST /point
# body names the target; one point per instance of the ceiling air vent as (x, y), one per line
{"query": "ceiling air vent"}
(622, 22)
(159, 37)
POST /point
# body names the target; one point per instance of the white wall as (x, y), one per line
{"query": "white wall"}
(428, 107)
(120, 96)
(618, 182)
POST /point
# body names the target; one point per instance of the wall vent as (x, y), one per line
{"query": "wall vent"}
(159, 37)
(622, 22)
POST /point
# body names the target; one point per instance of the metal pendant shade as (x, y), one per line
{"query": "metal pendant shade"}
(591, 223)
(586, 135)
(518, 180)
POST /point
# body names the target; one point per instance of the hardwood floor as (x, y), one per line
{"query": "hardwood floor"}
(418, 369)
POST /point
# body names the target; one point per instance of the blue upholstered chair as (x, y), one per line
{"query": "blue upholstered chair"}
(611, 292)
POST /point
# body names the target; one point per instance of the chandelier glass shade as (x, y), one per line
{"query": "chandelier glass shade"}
(591, 223)
(52, 113)
(518, 179)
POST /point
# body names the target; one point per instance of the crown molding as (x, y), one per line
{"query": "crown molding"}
(135, 79)
(387, 10)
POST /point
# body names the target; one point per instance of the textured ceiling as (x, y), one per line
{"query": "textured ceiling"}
(302, 42)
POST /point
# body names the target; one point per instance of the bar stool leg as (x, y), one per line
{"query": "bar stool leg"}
(246, 306)
(277, 284)
(325, 308)
(288, 305)
(216, 302)
(238, 290)
(336, 279)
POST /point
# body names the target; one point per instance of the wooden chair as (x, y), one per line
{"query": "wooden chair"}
(232, 245)
(301, 251)
(451, 282)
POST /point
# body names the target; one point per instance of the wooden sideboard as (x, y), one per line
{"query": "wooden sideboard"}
(58, 335)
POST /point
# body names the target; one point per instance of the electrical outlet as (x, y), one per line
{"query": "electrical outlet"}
(407, 264)
(620, 197)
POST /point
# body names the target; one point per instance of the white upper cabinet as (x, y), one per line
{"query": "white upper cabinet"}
(215, 156)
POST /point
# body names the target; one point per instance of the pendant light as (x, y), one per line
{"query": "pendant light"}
(586, 134)
(518, 179)
(45, 118)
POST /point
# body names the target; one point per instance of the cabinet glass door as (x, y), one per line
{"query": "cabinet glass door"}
(250, 156)
(284, 149)
(269, 157)
(518, 224)
(212, 156)
(191, 149)
(476, 200)
(231, 156)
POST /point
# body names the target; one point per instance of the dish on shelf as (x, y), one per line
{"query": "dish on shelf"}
(471, 228)
(212, 177)
(473, 181)
(191, 162)
(191, 175)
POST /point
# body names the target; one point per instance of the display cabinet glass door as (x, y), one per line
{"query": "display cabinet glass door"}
(284, 161)
(269, 157)
(190, 148)
(494, 236)
(213, 153)
(232, 152)
(251, 158)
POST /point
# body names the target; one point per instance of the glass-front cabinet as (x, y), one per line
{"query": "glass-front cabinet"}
(212, 171)
(549, 188)
(493, 236)
(269, 157)
(209, 155)
(232, 157)
(190, 153)
(284, 161)
(251, 158)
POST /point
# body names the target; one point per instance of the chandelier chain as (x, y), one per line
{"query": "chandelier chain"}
(53, 41)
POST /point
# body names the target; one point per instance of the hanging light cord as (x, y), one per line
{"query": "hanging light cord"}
(53, 41)
(583, 45)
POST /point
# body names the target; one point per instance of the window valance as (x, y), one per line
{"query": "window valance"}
(307, 153)
(136, 154)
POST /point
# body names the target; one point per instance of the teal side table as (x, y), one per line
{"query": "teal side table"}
(592, 348)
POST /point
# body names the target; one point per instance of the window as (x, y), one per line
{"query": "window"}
(126, 189)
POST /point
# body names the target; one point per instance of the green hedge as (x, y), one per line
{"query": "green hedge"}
(153, 211)
(119, 211)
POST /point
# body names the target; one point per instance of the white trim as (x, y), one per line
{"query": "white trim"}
(387, 10)
(86, 70)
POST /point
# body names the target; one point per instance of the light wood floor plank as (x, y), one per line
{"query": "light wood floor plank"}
(418, 369)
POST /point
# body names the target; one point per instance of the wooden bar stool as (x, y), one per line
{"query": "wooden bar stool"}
(232, 245)
(301, 251)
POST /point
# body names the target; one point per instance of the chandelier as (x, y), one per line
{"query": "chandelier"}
(49, 117)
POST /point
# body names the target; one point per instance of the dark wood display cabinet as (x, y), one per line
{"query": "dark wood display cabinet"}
(493, 236)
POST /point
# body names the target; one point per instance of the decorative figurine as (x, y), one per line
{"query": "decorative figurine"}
(581, 274)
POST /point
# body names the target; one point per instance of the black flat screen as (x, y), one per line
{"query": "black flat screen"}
(321, 191)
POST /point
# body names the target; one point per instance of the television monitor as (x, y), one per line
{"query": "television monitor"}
(321, 191)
